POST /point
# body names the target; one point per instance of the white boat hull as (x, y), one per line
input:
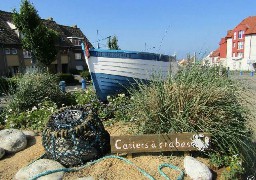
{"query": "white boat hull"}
(112, 75)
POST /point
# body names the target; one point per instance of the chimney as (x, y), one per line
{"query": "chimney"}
(50, 19)
(74, 26)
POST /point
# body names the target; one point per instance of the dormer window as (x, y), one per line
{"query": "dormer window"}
(240, 34)
(75, 40)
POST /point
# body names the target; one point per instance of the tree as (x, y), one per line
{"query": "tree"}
(36, 37)
(112, 43)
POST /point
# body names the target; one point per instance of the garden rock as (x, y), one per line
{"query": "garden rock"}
(29, 134)
(38, 167)
(196, 170)
(12, 140)
(2, 153)
(86, 178)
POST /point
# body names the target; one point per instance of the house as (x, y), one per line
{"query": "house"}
(14, 59)
(212, 59)
(238, 48)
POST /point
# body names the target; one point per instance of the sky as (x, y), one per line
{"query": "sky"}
(161, 26)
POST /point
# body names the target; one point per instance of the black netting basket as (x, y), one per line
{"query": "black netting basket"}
(75, 135)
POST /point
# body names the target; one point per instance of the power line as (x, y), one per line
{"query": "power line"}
(166, 31)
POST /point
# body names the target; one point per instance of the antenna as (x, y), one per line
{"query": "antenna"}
(98, 39)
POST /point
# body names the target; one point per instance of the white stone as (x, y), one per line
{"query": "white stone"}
(12, 140)
(2, 153)
(38, 167)
(86, 178)
(29, 133)
(196, 170)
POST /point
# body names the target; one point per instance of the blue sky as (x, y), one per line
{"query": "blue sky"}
(165, 26)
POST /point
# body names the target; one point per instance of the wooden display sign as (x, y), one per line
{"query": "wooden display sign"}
(160, 142)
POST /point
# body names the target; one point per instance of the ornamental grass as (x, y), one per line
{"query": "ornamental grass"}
(197, 99)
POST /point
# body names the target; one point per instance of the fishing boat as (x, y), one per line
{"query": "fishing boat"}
(114, 71)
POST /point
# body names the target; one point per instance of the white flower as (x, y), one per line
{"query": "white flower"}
(34, 108)
(10, 110)
(121, 95)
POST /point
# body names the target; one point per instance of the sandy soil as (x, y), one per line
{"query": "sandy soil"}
(113, 169)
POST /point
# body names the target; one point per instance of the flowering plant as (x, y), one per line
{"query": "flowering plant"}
(34, 118)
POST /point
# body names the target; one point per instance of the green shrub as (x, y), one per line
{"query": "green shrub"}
(33, 88)
(197, 99)
(3, 86)
(68, 78)
(7, 85)
(34, 118)
(86, 75)
(118, 108)
(89, 97)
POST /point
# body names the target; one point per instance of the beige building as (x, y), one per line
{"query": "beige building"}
(14, 59)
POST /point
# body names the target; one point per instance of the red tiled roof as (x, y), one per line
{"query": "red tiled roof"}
(248, 23)
(215, 53)
(223, 40)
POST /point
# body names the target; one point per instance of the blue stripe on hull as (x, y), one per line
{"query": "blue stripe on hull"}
(130, 55)
(108, 85)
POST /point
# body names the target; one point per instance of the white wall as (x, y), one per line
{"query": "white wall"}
(249, 53)
(242, 64)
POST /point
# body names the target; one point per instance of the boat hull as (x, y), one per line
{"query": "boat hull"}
(115, 72)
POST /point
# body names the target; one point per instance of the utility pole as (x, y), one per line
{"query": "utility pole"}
(194, 57)
(98, 39)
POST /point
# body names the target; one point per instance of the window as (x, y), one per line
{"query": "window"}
(234, 45)
(240, 34)
(7, 51)
(240, 54)
(240, 45)
(234, 35)
(78, 56)
(76, 42)
(27, 54)
(14, 51)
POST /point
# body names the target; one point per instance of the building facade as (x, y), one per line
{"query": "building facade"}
(14, 59)
(238, 48)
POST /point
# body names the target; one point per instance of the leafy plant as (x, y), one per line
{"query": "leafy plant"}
(234, 169)
(86, 75)
(34, 118)
(33, 88)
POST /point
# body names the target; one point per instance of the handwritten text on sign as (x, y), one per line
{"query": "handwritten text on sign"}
(160, 142)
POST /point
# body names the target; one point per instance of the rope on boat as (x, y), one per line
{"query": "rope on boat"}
(180, 177)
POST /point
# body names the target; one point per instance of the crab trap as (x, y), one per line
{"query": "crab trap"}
(75, 135)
